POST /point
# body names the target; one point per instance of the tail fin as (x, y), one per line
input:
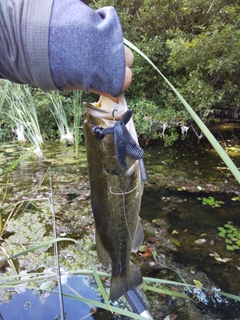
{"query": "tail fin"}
(123, 283)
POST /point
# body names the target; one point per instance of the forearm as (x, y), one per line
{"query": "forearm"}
(63, 45)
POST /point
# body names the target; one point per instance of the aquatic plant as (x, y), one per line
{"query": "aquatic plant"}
(211, 201)
(3, 195)
(24, 106)
(3, 90)
(236, 198)
(66, 135)
(23, 113)
(77, 111)
(231, 235)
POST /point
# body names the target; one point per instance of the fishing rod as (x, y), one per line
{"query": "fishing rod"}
(137, 304)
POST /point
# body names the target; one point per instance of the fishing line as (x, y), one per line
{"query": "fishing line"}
(124, 211)
(51, 202)
(30, 199)
(132, 296)
(121, 192)
(58, 272)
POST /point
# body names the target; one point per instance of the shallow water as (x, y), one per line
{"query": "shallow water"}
(189, 221)
(180, 178)
(177, 178)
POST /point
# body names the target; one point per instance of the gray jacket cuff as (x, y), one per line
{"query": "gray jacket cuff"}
(36, 40)
(24, 52)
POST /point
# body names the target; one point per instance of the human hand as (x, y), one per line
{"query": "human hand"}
(129, 57)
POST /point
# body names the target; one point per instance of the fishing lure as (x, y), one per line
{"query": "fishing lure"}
(124, 143)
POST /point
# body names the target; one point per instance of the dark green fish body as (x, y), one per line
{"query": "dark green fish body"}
(116, 199)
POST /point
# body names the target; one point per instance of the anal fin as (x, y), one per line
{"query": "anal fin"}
(138, 237)
(103, 254)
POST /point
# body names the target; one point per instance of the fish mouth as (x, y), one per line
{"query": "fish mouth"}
(106, 108)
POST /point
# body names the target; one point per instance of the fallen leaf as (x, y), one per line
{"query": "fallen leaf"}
(151, 239)
(148, 252)
(175, 289)
(142, 248)
(198, 284)
(176, 242)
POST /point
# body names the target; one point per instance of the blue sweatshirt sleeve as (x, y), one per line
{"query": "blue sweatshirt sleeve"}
(86, 47)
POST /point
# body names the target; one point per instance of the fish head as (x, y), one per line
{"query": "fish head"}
(106, 108)
(105, 113)
(99, 116)
(113, 123)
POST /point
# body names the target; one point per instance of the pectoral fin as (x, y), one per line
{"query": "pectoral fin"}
(144, 174)
(103, 255)
(138, 237)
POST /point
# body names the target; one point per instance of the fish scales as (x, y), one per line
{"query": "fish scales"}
(116, 199)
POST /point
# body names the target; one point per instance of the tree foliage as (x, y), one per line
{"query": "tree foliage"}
(195, 43)
(196, 46)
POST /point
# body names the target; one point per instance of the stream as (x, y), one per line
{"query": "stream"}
(190, 214)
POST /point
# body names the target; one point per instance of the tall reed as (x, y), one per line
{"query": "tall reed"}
(77, 110)
(66, 135)
(23, 113)
(3, 91)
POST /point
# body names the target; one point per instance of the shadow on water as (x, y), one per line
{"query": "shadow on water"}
(174, 218)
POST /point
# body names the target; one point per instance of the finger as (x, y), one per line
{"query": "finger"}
(106, 94)
(127, 80)
(129, 57)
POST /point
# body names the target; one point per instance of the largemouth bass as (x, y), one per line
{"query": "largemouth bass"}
(116, 190)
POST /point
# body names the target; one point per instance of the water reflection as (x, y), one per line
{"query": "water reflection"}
(29, 306)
